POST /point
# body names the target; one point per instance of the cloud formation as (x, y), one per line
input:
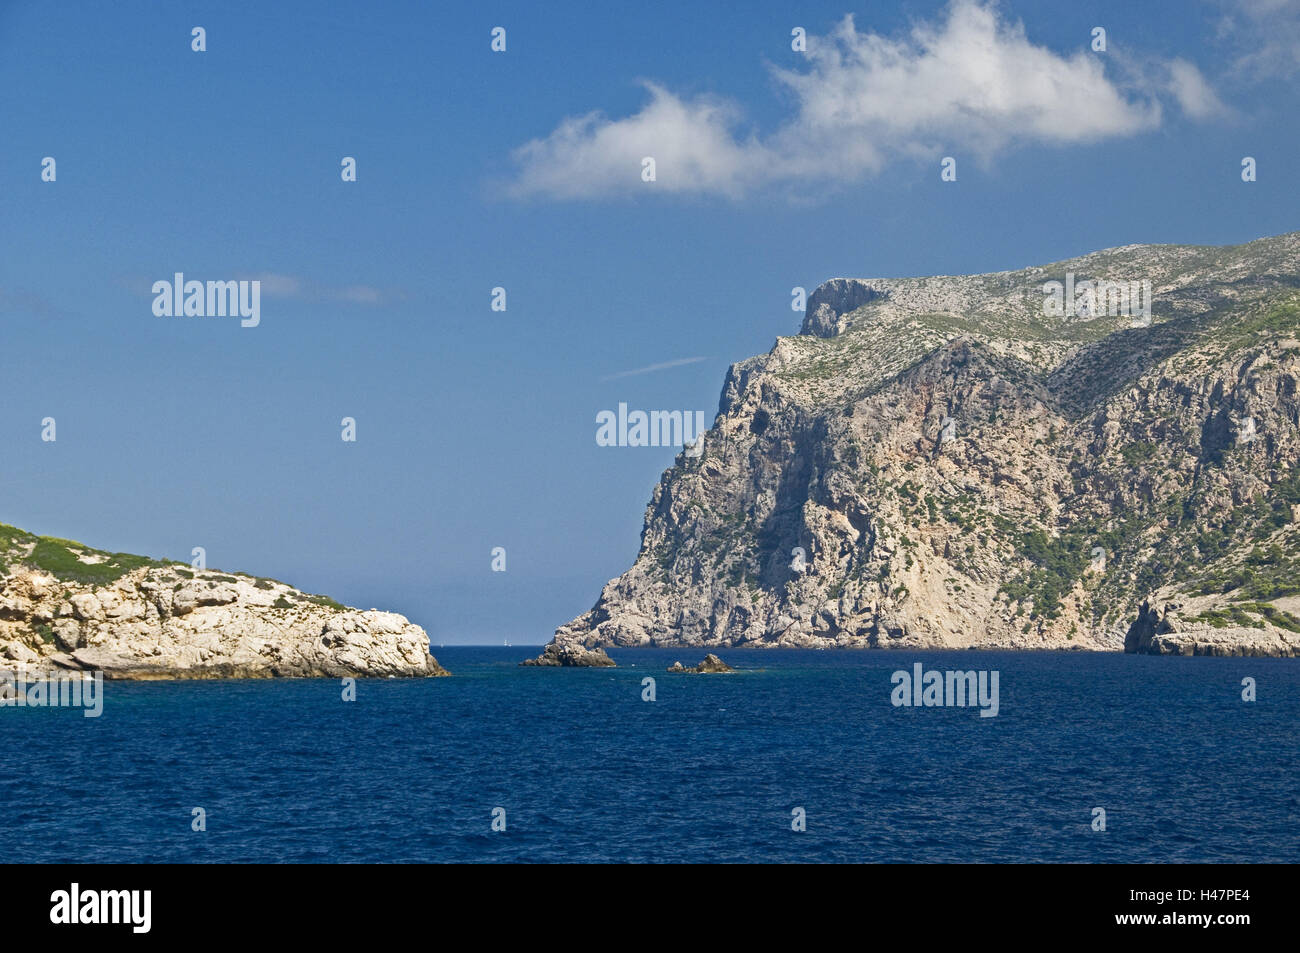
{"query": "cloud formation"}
(1265, 35)
(22, 301)
(1191, 91)
(288, 286)
(651, 368)
(972, 82)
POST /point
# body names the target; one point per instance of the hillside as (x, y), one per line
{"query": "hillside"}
(951, 462)
(65, 605)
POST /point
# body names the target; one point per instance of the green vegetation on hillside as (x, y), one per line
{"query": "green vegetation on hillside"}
(65, 559)
(70, 561)
(57, 557)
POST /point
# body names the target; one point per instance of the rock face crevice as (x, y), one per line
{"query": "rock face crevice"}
(940, 463)
(828, 307)
(66, 606)
(1161, 631)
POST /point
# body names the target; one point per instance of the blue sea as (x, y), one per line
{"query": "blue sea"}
(712, 770)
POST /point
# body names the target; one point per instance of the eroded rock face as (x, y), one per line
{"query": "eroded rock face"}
(1165, 632)
(571, 656)
(937, 463)
(711, 665)
(164, 620)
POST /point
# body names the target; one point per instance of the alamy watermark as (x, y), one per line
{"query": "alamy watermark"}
(658, 428)
(1091, 299)
(21, 689)
(131, 908)
(935, 689)
(212, 299)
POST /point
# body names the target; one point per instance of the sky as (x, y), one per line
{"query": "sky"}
(521, 169)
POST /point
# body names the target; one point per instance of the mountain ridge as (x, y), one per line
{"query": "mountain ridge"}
(1087, 479)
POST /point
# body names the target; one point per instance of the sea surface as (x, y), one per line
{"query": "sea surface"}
(712, 770)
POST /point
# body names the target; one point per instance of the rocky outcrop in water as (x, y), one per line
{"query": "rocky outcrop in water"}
(959, 462)
(557, 655)
(1167, 632)
(711, 665)
(64, 605)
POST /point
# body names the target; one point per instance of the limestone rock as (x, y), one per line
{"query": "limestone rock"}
(711, 665)
(1162, 632)
(571, 656)
(944, 463)
(64, 605)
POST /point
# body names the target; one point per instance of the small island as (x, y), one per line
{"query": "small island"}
(65, 606)
(712, 665)
(570, 655)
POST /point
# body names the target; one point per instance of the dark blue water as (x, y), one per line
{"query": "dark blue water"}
(709, 771)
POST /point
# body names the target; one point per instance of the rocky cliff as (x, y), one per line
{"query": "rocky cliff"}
(64, 605)
(990, 461)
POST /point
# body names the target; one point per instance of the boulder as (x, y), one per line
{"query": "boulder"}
(570, 655)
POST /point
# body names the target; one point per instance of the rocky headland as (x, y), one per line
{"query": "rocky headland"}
(66, 606)
(962, 462)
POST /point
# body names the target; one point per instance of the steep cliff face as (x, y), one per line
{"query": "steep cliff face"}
(947, 462)
(64, 605)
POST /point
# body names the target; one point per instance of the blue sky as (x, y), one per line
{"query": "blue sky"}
(476, 428)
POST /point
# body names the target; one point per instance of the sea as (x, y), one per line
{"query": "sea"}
(799, 756)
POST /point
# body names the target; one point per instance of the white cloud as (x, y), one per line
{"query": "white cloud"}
(975, 79)
(1193, 93)
(358, 294)
(972, 82)
(279, 286)
(1265, 35)
(288, 286)
(692, 143)
(651, 368)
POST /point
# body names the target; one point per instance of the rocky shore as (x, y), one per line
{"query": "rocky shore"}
(66, 606)
(1166, 632)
